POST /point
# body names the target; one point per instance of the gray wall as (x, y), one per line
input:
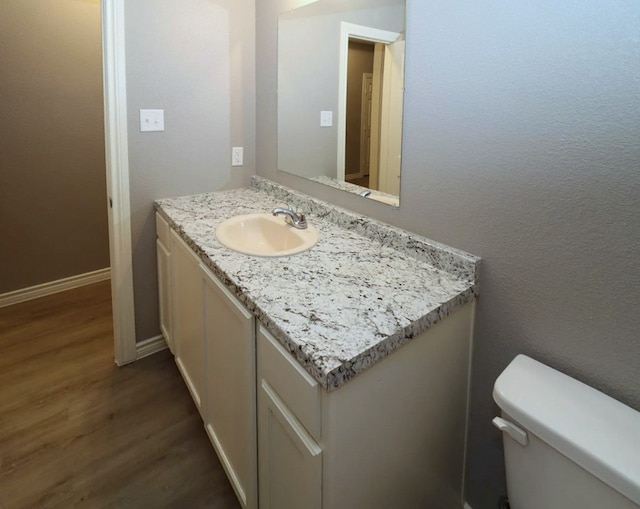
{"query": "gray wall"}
(53, 198)
(195, 60)
(521, 145)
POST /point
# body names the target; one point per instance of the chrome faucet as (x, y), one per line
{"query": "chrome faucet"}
(291, 217)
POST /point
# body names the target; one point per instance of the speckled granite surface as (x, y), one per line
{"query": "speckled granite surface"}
(364, 290)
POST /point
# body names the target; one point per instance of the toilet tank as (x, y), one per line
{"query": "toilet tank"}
(566, 444)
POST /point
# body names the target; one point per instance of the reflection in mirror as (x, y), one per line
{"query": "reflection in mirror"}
(340, 94)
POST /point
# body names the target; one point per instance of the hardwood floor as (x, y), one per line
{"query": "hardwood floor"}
(77, 431)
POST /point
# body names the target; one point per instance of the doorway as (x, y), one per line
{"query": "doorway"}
(360, 87)
(53, 197)
(370, 107)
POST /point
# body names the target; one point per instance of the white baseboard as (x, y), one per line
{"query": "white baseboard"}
(34, 292)
(150, 346)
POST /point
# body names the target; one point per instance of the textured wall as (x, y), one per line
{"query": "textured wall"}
(195, 60)
(53, 208)
(521, 145)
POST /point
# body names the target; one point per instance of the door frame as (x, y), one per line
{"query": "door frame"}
(117, 163)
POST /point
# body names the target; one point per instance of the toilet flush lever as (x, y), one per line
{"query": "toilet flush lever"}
(519, 435)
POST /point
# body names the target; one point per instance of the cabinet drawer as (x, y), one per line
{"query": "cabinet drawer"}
(162, 229)
(295, 387)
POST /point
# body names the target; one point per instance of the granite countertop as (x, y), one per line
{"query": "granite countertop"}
(364, 290)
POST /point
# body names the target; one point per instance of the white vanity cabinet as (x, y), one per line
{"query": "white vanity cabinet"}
(230, 417)
(163, 251)
(394, 436)
(188, 318)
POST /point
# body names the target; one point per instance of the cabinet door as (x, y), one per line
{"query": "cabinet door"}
(231, 387)
(290, 461)
(164, 291)
(188, 326)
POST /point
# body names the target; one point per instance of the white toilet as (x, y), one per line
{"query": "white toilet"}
(566, 445)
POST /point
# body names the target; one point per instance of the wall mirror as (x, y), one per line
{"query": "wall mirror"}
(340, 94)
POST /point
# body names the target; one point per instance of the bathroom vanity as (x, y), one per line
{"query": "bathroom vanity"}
(337, 377)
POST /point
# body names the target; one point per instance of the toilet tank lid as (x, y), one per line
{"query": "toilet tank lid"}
(595, 431)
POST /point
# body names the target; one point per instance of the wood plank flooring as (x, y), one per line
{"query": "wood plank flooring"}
(77, 431)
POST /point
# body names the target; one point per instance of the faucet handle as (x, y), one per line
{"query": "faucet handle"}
(301, 222)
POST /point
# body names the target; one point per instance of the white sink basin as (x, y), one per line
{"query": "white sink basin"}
(265, 235)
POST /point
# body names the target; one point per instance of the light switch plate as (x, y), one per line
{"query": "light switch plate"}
(151, 120)
(326, 118)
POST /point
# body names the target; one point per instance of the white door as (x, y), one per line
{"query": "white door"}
(188, 331)
(164, 292)
(231, 387)
(290, 461)
(365, 123)
(391, 119)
